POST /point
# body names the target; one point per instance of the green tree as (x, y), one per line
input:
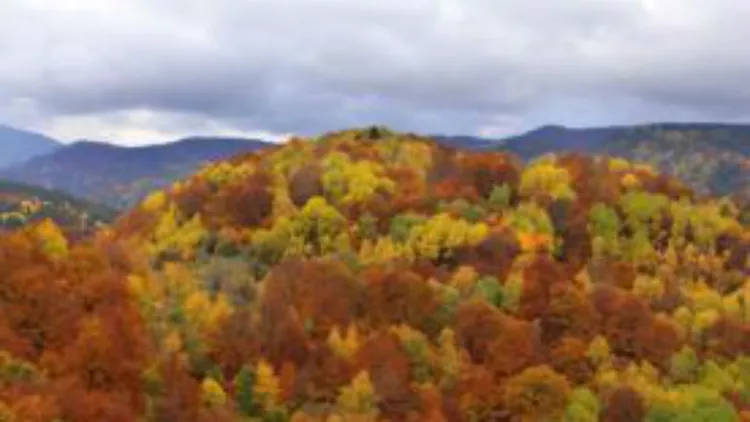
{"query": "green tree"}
(244, 384)
(642, 208)
(583, 406)
(684, 365)
(402, 224)
(700, 405)
(500, 196)
(605, 227)
(490, 289)
(531, 218)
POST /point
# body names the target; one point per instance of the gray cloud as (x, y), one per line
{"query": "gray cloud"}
(459, 66)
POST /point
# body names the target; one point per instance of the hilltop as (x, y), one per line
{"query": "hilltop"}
(370, 275)
(713, 158)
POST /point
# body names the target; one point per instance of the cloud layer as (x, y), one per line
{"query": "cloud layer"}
(145, 70)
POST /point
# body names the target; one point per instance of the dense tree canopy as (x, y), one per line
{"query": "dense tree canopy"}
(367, 275)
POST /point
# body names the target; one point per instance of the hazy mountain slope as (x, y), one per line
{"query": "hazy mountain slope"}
(711, 157)
(467, 142)
(17, 145)
(119, 176)
(559, 139)
(21, 204)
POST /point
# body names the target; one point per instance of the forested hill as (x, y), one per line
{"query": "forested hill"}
(121, 176)
(712, 158)
(368, 275)
(22, 204)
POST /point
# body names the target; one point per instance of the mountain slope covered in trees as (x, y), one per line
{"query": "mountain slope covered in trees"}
(121, 176)
(367, 275)
(713, 158)
(22, 204)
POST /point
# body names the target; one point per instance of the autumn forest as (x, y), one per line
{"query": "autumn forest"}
(368, 275)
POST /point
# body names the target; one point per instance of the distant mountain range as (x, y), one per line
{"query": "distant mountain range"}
(18, 145)
(20, 204)
(714, 158)
(468, 142)
(622, 139)
(119, 176)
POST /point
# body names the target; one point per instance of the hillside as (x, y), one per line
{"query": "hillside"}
(120, 176)
(367, 275)
(467, 142)
(712, 158)
(17, 146)
(22, 204)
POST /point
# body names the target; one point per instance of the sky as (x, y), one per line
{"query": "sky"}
(143, 71)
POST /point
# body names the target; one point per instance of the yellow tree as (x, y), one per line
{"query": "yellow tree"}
(213, 394)
(546, 178)
(174, 233)
(449, 358)
(464, 279)
(350, 182)
(345, 345)
(533, 226)
(359, 397)
(441, 234)
(321, 224)
(51, 238)
(267, 386)
(599, 352)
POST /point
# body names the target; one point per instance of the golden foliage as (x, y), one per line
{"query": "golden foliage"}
(368, 275)
(267, 386)
(358, 397)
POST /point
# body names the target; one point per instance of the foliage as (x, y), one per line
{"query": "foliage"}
(544, 176)
(359, 397)
(368, 275)
(21, 204)
(500, 196)
(538, 393)
(119, 176)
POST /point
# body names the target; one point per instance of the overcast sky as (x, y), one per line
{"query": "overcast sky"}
(138, 71)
